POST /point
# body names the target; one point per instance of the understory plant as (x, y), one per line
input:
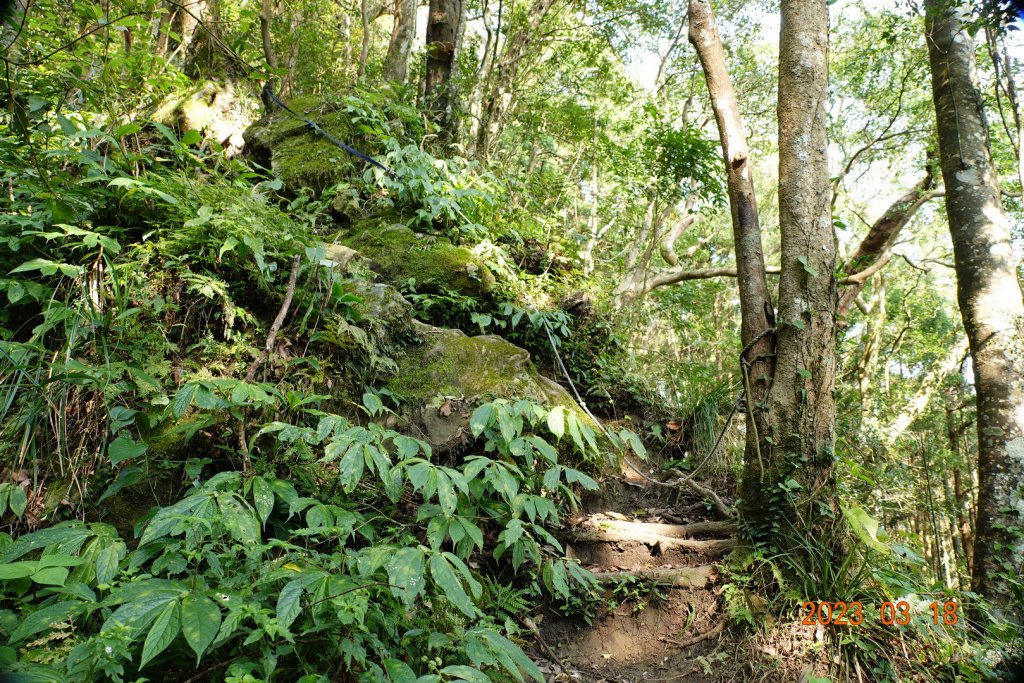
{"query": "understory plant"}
(367, 566)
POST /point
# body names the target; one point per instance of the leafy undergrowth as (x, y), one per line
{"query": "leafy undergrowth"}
(366, 561)
(300, 535)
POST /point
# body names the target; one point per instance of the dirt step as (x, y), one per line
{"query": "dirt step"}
(615, 544)
(702, 576)
(693, 530)
(630, 645)
(664, 543)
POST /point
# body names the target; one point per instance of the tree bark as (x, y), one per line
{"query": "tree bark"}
(364, 45)
(396, 63)
(991, 305)
(799, 447)
(757, 314)
(442, 33)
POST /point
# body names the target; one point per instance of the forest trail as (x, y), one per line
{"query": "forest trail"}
(655, 550)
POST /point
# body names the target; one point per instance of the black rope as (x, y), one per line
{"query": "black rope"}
(268, 91)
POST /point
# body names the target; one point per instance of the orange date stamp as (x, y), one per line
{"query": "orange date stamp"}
(889, 613)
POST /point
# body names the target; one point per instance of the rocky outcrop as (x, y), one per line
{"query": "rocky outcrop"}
(433, 264)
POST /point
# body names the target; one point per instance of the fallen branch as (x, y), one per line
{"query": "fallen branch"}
(529, 624)
(278, 321)
(697, 638)
(684, 481)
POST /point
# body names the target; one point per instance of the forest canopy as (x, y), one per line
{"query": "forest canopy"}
(511, 340)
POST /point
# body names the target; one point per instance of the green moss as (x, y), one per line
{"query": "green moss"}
(397, 254)
(297, 155)
(464, 371)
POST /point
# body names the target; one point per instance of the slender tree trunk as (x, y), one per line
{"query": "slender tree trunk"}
(757, 314)
(502, 95)
(364, 46)
(163, 36)
(788, 489)
(266, 17)
(442, 33)
(926, 387)
(874, 326)
(991, 305)
(396, 64)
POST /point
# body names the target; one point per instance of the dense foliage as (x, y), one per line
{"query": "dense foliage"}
(213, 463)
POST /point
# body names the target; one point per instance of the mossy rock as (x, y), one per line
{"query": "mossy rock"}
(441, 380)
(397, 254)
(299, 156)
(220, 110)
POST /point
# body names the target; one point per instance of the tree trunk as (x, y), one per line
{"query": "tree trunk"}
(788, 490)
(442, 33)
(991, 304)
(364, 45)
(501, 96)
(925, 388)
(757, 359)
(396, 64)
(266, 17)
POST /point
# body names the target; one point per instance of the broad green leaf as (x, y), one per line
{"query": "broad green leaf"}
(576, 477)
(480, 418)
(18, 501)
(556, 421)
(511, 658)
(372, 403)
(165, 629)
(444, 576)
(573, 423)
(128, 476)
(41, 619)
(350, 469)
(69, 536)
(183, 399)
(466, 673)
(865, 527)
(289, 600)
(123, 448)
(107, 560)
(51, 576)
(229, 244)
(17, 570)
(405, 574)
(200, 622)
(398, 671)
(263, 498)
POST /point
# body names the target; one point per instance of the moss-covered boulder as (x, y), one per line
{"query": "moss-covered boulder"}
(397, 254)
(442, 379)
(297, 155)
(220, 110)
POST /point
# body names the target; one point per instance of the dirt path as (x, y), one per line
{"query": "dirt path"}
(654, 550)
